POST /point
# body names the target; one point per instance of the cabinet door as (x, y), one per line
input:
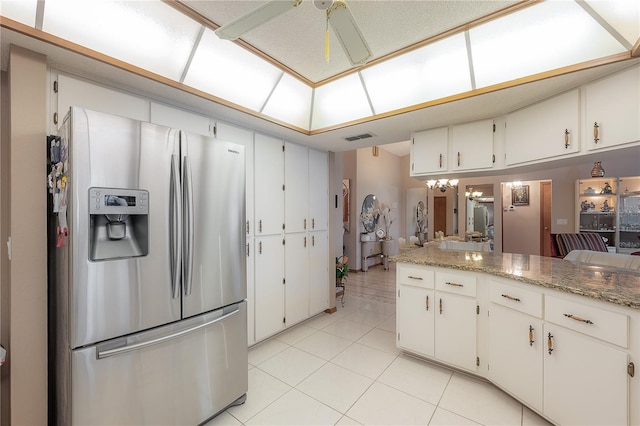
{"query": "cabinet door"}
(515, 354)
(269, 289)
(268, 185)
(605, 125)
(429, 151)
(318, 190)
(296, 278)
(251, 291)
(319, 279)
(456, 330)
(296, 193)
(472, 145)
(415, 319)
(585, 381)
(545, 130)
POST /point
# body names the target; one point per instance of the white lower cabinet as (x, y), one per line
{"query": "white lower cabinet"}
(515, 354)
(269, 289)
(585, 381)
(318, 272)
(567, 357)
(296, 293)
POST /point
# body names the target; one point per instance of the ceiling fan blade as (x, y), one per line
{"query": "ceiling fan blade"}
(255, 18)
(348, 33)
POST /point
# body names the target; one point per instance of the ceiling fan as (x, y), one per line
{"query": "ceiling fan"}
(338, 15)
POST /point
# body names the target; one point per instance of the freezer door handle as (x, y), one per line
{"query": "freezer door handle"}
(176, 227)
(101, 354)
(188, 225)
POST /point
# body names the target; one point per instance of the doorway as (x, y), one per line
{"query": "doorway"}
(545, 218)
(440, 214)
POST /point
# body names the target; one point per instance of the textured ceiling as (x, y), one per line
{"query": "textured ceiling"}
(296, 39)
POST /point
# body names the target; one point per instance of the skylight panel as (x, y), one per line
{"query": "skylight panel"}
(435, 71)
(540, 38)
(339, 102)
(147, 34)
(226, 70)
(622, 15)
(290, 102)
(23, 11)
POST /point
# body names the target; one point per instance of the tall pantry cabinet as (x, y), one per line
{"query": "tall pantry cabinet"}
(291, 238)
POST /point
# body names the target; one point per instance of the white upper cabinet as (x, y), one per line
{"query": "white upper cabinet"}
(612, 110)
(472, 145)
(296, 182)
(268, 186)
(318, 190)
(545, 130)
(429, 151)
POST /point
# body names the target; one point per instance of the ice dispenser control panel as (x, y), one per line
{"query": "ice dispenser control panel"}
(118, 201)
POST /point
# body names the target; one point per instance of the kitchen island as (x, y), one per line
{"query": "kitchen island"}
(561, 337)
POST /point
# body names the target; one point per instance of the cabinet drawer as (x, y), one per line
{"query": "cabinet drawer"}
(604, 325)
(526, 301)
(464, 284)
(417, 276)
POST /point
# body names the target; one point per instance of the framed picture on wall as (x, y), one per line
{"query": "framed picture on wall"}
(520, 195)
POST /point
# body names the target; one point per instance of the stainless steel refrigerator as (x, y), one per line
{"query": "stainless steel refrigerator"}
(149, 303)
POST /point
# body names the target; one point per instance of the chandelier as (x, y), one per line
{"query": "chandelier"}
(442, 184)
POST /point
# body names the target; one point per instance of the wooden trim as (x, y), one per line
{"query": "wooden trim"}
(635, 50)
(125, 66)
(620, 57)
(76, 48)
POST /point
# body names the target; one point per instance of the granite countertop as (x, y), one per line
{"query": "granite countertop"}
(619, 286)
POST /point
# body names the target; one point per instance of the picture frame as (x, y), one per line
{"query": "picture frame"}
(520, 195)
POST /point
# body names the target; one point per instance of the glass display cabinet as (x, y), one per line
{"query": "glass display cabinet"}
(629, 215)
(597, 202)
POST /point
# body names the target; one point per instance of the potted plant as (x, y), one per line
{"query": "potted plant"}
(342, 269)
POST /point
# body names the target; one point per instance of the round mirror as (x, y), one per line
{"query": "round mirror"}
(370, 213)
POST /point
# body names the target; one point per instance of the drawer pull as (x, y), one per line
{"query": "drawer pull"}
(566, 138)
(415, 278)
(454, 284)
(550, 343)
(440, 306)
(573, 317)
(260, 225)
(426, 302)
(440, 161)
(506, 296)
(531, 336)
(596, 137)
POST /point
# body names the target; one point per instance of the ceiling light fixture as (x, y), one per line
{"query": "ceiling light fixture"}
(442, 184)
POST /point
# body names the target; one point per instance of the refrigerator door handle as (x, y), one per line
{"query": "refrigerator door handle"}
(188, 225)
(101, 354)
(176, 227)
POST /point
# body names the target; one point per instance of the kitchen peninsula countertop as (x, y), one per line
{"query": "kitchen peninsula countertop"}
(614, 285)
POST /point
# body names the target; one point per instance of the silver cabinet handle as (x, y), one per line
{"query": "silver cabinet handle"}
(146, 343)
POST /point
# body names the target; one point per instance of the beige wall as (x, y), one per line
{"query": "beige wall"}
(4, 234)
(28, 269)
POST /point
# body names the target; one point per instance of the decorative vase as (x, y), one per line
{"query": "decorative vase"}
(597, 171)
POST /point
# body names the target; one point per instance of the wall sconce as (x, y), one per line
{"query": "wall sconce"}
(375, 151)
(442, 184)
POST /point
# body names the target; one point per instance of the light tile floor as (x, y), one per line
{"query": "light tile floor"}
(344, 369)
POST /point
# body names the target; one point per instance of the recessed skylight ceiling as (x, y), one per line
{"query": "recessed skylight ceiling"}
(148, 34)
(340, 101)
(154, 36)
(290, 102)
(434, 71)
(547, 36)
(225, 70)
